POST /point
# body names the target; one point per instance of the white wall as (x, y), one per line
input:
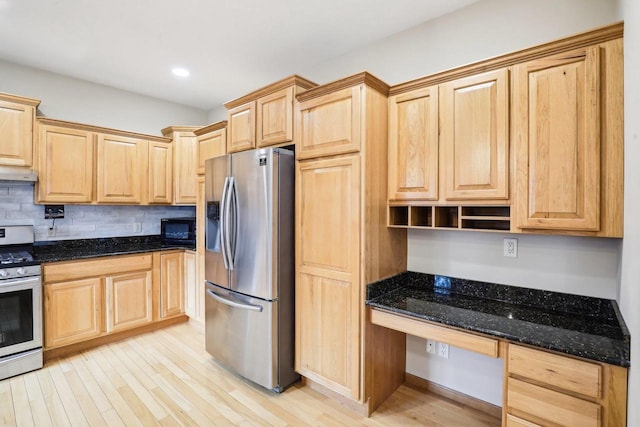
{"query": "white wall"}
(630, 278)
(585, 266)
(80, 101)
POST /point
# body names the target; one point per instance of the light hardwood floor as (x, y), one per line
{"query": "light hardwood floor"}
(167, 378)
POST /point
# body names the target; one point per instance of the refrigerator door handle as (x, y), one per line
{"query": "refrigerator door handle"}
(230, 223)
(232, 303)
(223, 221)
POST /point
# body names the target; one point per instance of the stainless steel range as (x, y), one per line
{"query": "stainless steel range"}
(20, 303)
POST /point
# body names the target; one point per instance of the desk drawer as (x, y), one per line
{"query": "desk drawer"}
(551, 405)
(559, 371)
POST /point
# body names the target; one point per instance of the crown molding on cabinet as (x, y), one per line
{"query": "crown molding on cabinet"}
(599, 35)
(169, 130)
(19, 99)
(356, 79)
(91, 128)
(210, 128)
(294, 80)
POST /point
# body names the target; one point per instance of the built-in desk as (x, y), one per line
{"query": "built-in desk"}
(565, 355)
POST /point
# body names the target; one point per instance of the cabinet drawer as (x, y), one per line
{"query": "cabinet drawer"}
(423, 329)
(71, 270)
(519, 422)
(559, 371)
(551, 405)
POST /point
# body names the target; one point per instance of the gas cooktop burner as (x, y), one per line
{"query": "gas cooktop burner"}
(9, 258)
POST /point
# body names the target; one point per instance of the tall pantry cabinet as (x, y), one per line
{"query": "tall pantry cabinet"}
(342, 242)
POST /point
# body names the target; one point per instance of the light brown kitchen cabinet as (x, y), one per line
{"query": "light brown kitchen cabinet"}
(341, 245)
(171, 284)
(121, 166)
(17, 115)
(72, 311)
(274, 117)
(193, 292)
(65, 161)
(264, 117)
(241, 125)
(413, 145)
(328, 287)
(185, 163)
(340, 108)
(128, 300)
(544, 388)
(160, 173)
(212, 142)
(86, 164)
(92, 301)
(474, 139)
(567, 120)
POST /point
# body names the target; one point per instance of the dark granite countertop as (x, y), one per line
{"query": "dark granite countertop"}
(587, 327)
(68, 250)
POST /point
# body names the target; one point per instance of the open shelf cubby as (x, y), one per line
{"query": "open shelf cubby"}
(484, 218)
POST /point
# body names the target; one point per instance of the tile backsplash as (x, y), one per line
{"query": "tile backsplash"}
(83, 221)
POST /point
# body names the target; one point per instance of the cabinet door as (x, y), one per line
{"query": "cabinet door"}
(185, 171)
(72, 311)
(16, 133)
(329, 124)
(556, 122)
(275, 118)
(192, 287)
(128, 300)
(241, 124)
(121, 169)
(65, 163)
(160, 173)
(328, 291)
(474, 115)
(211, 145)
(171, 284)
(413, 145)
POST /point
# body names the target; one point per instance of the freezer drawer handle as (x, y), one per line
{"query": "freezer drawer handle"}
(233, 303)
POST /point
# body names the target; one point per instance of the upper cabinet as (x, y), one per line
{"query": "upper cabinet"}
(212, 142)
(265, 116)
(87, 164)
(567, 119)
(528, 142)
(120, 161)
(185, 163)
(413, 145)
(65, 162)
(342, 109)
(17, 116)
(474, 115)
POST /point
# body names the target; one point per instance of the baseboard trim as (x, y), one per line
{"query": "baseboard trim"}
(472, 402)
(106, 339)
(360, 408)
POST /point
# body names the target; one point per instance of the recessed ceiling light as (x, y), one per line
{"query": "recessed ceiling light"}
(180, 72)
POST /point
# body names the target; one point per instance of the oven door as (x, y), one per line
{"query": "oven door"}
(20, 315)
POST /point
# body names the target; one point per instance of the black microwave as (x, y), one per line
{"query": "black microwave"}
(180, 231)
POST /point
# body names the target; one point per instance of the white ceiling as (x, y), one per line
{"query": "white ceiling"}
(228, 45)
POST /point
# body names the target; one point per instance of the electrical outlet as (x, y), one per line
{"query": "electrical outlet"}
(443, 350)
(51, 232)
(510, 248)
(431, 346)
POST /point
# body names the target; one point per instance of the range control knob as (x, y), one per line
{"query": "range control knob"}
(4, 273)
(21, 271)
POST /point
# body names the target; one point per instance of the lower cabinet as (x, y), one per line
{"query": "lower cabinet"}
(128, 300)
(548, 389)
(171, 284)
(72, 311)
(96, 297)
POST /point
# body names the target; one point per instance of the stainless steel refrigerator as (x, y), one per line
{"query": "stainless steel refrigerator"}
(249, 265)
